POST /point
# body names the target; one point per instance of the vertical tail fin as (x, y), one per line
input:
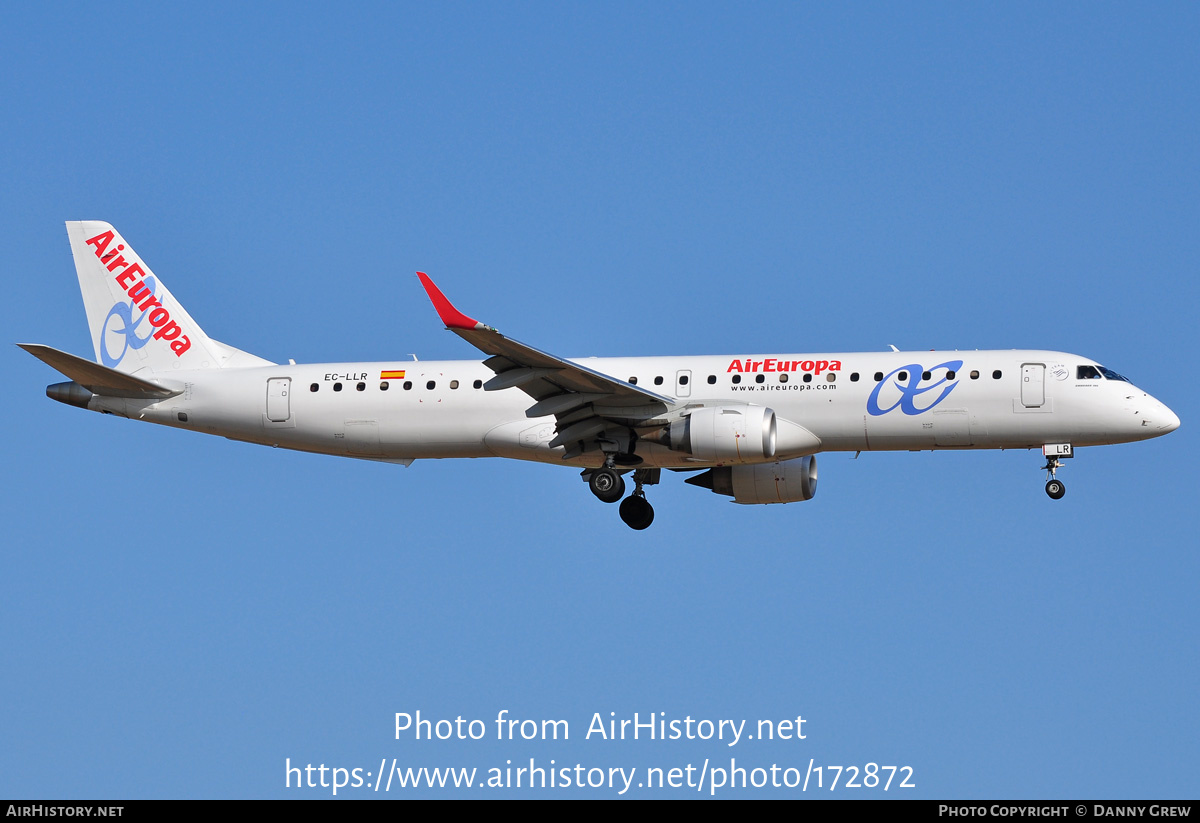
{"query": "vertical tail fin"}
(136, 323)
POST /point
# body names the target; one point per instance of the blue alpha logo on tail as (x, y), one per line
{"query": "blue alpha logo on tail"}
(909, 387)
(127, 330)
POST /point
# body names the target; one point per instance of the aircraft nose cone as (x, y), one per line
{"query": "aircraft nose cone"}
(1170, 420)
(1154, 416)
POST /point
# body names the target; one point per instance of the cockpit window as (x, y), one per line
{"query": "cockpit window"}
(1087, 373)
(1112, 375)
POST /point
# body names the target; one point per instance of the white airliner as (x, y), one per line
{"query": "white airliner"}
(750, 425)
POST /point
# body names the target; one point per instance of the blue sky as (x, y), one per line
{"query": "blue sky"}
(183, 614)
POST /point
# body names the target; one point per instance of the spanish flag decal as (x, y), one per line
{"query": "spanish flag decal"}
(391, 375)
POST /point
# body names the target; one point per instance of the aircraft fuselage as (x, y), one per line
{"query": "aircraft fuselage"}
(868, 401)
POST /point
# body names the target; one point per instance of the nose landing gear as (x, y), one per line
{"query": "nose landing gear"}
(1054, 487)
(1055, 453)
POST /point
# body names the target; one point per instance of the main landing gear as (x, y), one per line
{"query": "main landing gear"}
(1054, 486)
(609, 486)
(636, 510)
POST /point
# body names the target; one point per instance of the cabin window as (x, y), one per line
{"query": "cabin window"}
(361, 387)
(658, 380)
(926, 375)
(830, 376)
(737, 378)
(313, 387)
(950, 374)
(996, 374)
(383, 386)
(183, 417)
(712, 379)
(454, 384)
(683, 379)
(903, 376)
(337, 386)
(633, 381)
(783, 378)
(758, 378)
(431, 385)
(974, 374)
(853, 377)
(807, 377)
(407, 385)
(478, 384)
(878, 376)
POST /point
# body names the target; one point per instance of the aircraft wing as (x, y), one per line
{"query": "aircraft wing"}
(585, 402)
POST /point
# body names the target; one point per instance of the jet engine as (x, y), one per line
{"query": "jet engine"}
(722, 434)
(784, 481)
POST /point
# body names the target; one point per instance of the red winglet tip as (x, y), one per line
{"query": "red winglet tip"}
(452, 317)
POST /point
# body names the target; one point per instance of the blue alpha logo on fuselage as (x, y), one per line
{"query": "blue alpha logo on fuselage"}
(908, 387)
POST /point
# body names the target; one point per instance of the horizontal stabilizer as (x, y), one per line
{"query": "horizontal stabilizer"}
(96, 378)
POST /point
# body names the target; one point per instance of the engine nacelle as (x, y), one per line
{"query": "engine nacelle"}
(784, 481)
(724, 434)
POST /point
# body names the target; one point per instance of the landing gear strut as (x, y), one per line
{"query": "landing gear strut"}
(1054, 487)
